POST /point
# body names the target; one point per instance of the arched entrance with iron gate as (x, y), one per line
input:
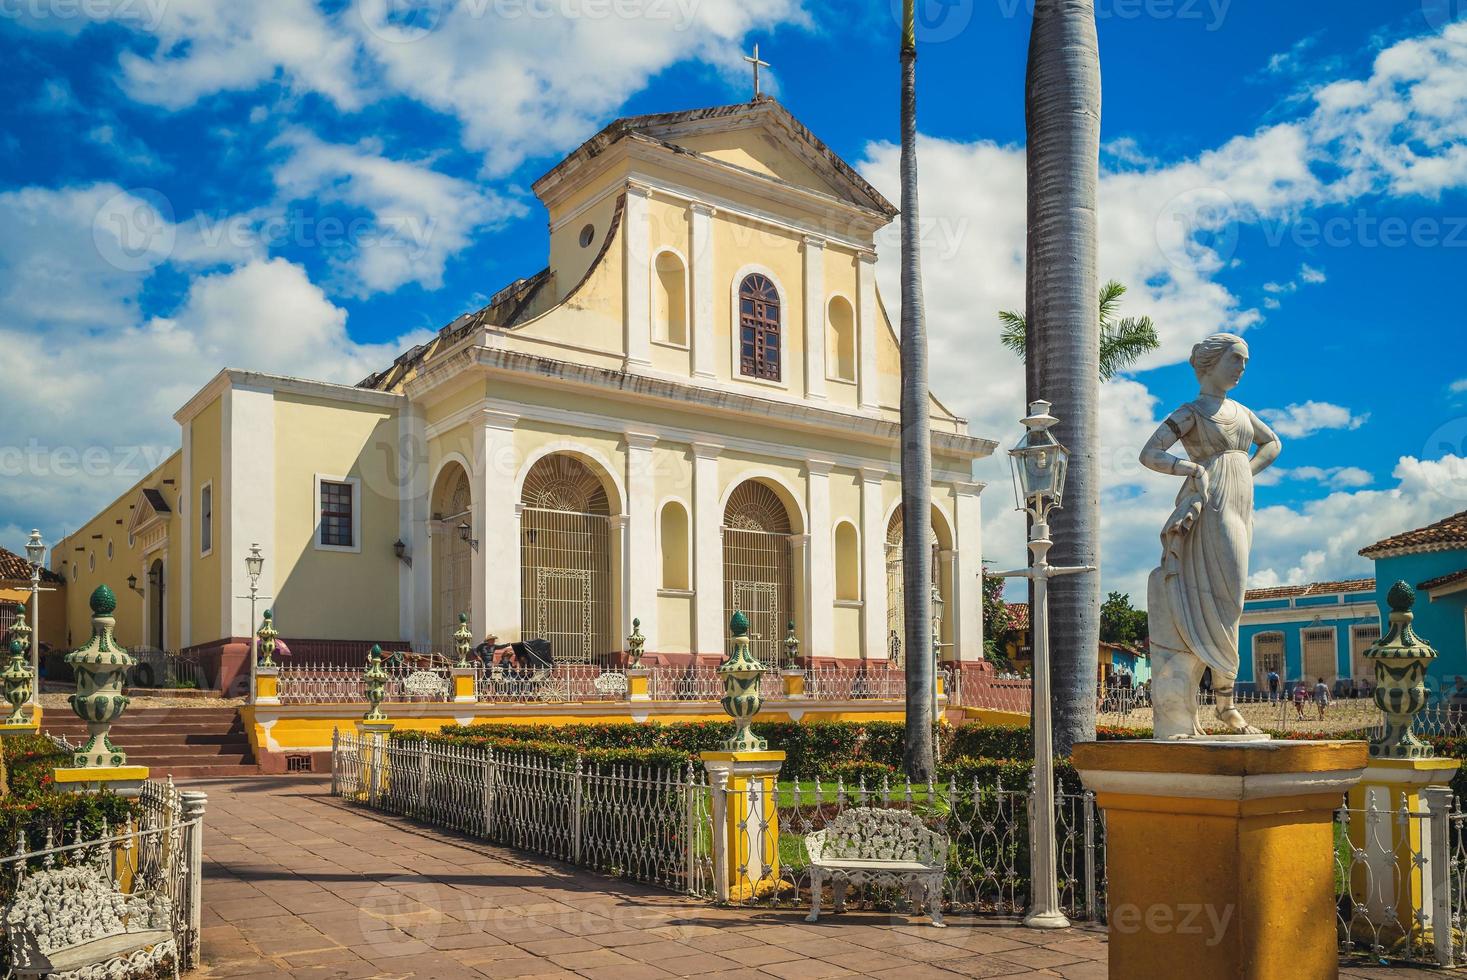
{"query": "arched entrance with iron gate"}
(758, 577)
(566, 559)
(453, 501)
(896, 617)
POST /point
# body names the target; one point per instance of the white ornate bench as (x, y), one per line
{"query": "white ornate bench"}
(71, 923)
(877, 846)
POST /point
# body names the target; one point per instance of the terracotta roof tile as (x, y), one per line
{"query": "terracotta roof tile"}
(1450, 579)
(14, 568)
(1020, 613)
(1444, 535)
(1313, 589)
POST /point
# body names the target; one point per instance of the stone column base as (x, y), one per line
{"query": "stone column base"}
(1221, 854)
(122, 780)
(745, 823)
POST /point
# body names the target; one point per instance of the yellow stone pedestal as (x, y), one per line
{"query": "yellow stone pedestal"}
(1390, 879)
(745, 822)
(32, 727)
(1219, 854)
(122, 780)
(465, 681)
(638, 684)
(267, 685)
(793, 681)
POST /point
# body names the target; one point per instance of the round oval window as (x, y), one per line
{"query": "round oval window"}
(588, 235)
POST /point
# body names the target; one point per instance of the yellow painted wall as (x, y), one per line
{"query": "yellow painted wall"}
(82, 559)
(847, 632)
(674, 623)
(206, 463)
(568, 257)
(753, 150)
(329, 594)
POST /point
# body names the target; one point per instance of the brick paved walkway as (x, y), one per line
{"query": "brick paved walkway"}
(298, 885)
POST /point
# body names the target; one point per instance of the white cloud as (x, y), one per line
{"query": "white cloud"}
(1280, 288)
(1311, 275)
(112, 379)
(1299, 421)
(1458, 387)
(1340, 477)
(419, 217)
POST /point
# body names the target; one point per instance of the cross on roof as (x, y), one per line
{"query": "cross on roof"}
(754, 60)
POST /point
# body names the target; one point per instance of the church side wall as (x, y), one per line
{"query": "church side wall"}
(205, 456)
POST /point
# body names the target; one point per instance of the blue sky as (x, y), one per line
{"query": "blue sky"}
(304, 188)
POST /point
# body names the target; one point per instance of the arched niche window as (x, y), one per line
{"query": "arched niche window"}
(840, 342)
(759, 329)
(674, 542)
(847, 563)
(670, 299)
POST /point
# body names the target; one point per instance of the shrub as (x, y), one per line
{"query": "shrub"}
(871, 774)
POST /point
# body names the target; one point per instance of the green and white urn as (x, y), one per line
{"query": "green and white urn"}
(265, 638)
(374, 679)
(100, 668)
(19, 684)
(463, 642)
(741, 700)
(1401, 659)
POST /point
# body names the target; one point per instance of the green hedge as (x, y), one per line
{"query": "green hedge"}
(34, 805)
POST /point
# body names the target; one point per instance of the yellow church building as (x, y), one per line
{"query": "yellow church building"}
(693, 409)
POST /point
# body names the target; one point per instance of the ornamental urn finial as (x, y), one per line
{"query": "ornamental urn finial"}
(635, 643)
(374, 680)
(741, 700)
(791, 647)
(267, 635)
(463, 641)
(100, 668)
(1401, 659)
(18, 681)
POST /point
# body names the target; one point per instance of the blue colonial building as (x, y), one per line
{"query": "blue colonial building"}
(1434, 560)
(1305, 632)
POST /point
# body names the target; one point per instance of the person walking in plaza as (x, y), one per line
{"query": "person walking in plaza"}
(1321, 697)
(1273, 685)
(1301, 694)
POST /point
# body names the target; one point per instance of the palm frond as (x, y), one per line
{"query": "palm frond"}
(1110, 299)
(1015, 334)
(1124, 344)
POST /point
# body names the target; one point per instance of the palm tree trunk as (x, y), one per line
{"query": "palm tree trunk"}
(916, 441)
(1063, 114)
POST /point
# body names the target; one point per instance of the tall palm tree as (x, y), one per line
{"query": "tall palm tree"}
(1062, 112)
(916, 439)
(1121, 344)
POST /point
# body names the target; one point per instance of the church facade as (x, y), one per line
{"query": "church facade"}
(692, 409)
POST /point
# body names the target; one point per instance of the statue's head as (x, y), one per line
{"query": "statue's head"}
(1220, 359)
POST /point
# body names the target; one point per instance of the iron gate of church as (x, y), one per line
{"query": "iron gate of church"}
(756, 577)
(566, 591)
(896, 614)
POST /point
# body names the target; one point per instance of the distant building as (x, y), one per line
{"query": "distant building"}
(1111, 658)
(15, 589)
(1433, 559)
(1305, 632)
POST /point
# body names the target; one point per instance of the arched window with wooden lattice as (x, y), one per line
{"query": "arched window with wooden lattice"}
(565, 560)
(756, 566)
(760, 331)
(1268, 655)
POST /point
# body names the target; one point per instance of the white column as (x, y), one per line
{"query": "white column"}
(703, 292)
(868, 313)
(245, 512)
(496, 526)
(799, 559)
(708, 627)
(820, 631)
(621, 559)
(643, 566)
(873, 561)
(967, 591)
(636, 275)
(815, 317)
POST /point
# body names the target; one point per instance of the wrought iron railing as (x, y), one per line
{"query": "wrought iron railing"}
(327, 684)
(162, 853)
(557, 683)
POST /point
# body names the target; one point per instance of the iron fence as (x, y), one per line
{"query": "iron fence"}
(634, 822)
(302, 683)
(699, 682)
(562, 682)
(161, 854)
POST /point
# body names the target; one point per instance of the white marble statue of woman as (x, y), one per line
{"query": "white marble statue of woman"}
(1195, 598)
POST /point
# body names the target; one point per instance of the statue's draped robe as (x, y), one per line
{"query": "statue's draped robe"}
(1196, 596)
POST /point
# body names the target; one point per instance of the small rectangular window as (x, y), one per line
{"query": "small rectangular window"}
(336, 515)
(206, 519)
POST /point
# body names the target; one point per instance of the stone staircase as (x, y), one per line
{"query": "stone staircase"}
(185, 743)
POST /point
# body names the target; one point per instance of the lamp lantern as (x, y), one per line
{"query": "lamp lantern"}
(1040, 464)
(254, 564)
(35, 549)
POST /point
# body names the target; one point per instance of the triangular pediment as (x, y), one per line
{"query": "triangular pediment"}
(148, 509)
(760, 138)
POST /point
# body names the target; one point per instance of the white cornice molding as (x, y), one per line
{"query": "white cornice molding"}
(1362, 611)
(706, 450)
(641, 440)
(549, 372)
(1238, 789)
(256, 381)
